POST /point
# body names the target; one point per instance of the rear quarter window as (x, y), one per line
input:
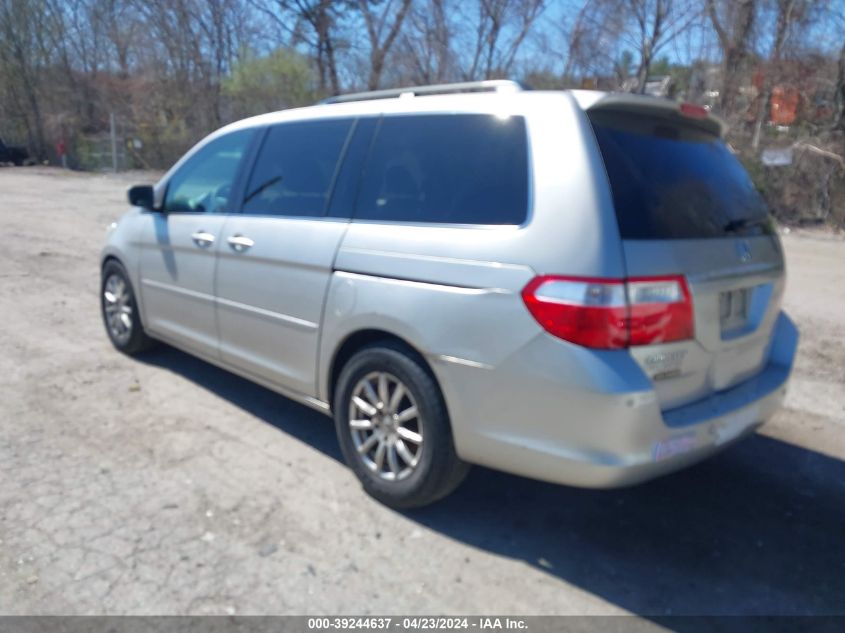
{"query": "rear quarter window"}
(675, 182)
(455, 169)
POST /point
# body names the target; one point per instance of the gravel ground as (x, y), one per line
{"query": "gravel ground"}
(164, 485)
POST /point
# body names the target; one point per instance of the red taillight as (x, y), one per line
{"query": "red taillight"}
(612, 313)
(694, 111)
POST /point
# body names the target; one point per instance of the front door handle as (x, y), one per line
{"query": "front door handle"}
(202, 238)
(240, 243)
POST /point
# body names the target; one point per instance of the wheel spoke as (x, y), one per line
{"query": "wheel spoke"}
(379, 456)
(124, 318)
(396, 398)
(383, 396)
(392, 462)
(404, 453)
(409, 435)
(370, 393)
(361, 425)
(408, 414)
(364, 406)
(368, 444)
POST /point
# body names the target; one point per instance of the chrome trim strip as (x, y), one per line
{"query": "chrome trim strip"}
(429, 284)
(745, 270)
(235, 305)
(461, 361)
(193, 294)
(269, 314)
(430, 258)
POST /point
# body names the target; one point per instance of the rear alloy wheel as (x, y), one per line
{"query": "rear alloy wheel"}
(120, 311)
(386, 426)
(394, 429)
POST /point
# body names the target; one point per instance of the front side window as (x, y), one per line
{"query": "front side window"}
(295, 168)
(204, 183)
(454, 169)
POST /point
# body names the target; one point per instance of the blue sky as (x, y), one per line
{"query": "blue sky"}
(826, 34)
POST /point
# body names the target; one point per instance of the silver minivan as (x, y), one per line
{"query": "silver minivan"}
(579, 287)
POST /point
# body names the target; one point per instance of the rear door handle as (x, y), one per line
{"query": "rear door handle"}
(240, 243)
(202, 238)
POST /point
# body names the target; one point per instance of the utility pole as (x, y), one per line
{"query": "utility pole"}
(113, 143)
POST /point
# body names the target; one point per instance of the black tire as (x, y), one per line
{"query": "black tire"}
(137, 340)
(439, 469)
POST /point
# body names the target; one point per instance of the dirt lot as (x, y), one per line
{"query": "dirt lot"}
(164, 485)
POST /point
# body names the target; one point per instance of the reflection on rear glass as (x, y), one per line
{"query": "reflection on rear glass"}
(667, 184)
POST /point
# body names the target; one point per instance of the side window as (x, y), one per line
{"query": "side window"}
(460, 169)
(204, 182)
(295, 168)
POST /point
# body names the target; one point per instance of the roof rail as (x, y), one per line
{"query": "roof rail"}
(490, 85)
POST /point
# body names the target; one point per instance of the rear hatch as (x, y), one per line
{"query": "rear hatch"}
(685, 206)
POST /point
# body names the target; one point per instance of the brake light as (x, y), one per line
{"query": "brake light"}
(612, 313)
(693, 110)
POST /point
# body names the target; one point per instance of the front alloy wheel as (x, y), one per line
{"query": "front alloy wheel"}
(118, 309)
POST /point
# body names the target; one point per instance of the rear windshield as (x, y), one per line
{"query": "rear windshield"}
(676, 182)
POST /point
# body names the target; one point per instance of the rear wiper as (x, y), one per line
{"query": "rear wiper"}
(744, 223)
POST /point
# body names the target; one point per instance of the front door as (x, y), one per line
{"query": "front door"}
(178, 245)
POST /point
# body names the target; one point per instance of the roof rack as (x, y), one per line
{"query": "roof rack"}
(490, 85)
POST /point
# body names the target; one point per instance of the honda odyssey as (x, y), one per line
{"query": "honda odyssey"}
(579, 287)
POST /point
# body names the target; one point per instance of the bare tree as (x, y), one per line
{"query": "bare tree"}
(657, 23)
(607, 30)
(576, 37)
(839, 90)
(22, 53)
(788, 12)
(499, 28)
(313, 22)
(121, 27)
(425, 43)
(733, 21)
(383, 28)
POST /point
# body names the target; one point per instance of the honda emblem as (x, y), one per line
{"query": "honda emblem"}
(743, 249)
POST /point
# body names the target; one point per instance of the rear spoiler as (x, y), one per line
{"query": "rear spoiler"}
(686, 114)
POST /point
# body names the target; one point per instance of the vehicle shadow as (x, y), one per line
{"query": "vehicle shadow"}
(759, 529)
(293, 418)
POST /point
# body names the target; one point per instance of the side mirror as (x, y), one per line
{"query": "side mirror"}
(142, 196)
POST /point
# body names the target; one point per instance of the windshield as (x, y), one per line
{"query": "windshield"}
(676, 182)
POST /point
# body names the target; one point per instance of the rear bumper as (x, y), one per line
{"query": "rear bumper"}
(592, 420)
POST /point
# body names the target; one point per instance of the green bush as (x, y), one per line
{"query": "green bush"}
(282, 79)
